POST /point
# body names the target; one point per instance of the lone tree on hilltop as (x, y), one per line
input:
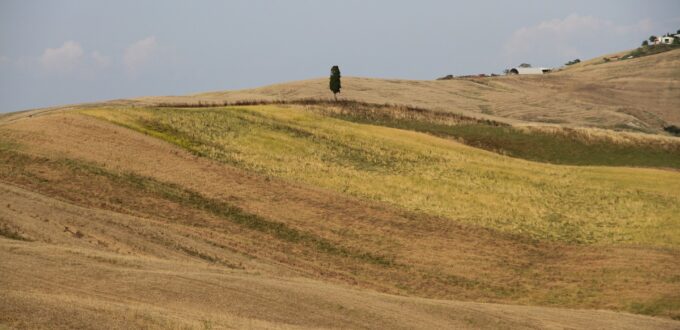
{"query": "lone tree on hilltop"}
(335, 81)
(645, 43)
(652, 39)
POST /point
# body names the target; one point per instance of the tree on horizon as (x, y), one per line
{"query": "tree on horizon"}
(335, 81)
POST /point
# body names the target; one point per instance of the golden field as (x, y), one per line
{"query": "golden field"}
(130, 214)
(637, 94)
(419, 172)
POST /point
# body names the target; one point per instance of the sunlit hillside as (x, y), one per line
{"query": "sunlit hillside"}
(454, 206)
(641, 94)
(420, 172)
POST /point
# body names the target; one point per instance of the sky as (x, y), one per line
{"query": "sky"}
(72, 51)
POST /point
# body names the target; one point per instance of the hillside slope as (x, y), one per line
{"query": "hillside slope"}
(71, 285)
(161, 212)
(638, 94)
(163, 217)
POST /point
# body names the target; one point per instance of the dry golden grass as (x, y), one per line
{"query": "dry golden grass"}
(423, 173)
(134, 258)
(129, 271)
(90, 289)
(104, 226)
(638, 94)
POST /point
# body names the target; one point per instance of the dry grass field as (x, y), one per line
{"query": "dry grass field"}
(420, 172)
(129, 215)
(641, 94)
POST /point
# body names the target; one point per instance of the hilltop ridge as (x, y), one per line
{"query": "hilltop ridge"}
(640, 94)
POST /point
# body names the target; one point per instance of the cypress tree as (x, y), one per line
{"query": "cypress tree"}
(335, 81)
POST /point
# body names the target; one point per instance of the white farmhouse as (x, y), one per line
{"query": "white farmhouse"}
(529, 70)
(666, 40)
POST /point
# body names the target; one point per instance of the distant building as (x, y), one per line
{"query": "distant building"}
(666, 40)
(519, 70)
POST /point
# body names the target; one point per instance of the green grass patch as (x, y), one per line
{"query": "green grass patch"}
(8, 144)
(650, 50)
(11, 233)
(668, 306)
(564, 147)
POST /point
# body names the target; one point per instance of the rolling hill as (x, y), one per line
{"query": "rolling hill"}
(640, 94)
(460, 204)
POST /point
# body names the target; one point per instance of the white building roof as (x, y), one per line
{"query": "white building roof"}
(531, 70)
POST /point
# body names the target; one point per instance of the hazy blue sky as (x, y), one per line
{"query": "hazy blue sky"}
(56, 52)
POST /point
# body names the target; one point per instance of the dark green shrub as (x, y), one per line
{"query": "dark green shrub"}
(675, 130)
